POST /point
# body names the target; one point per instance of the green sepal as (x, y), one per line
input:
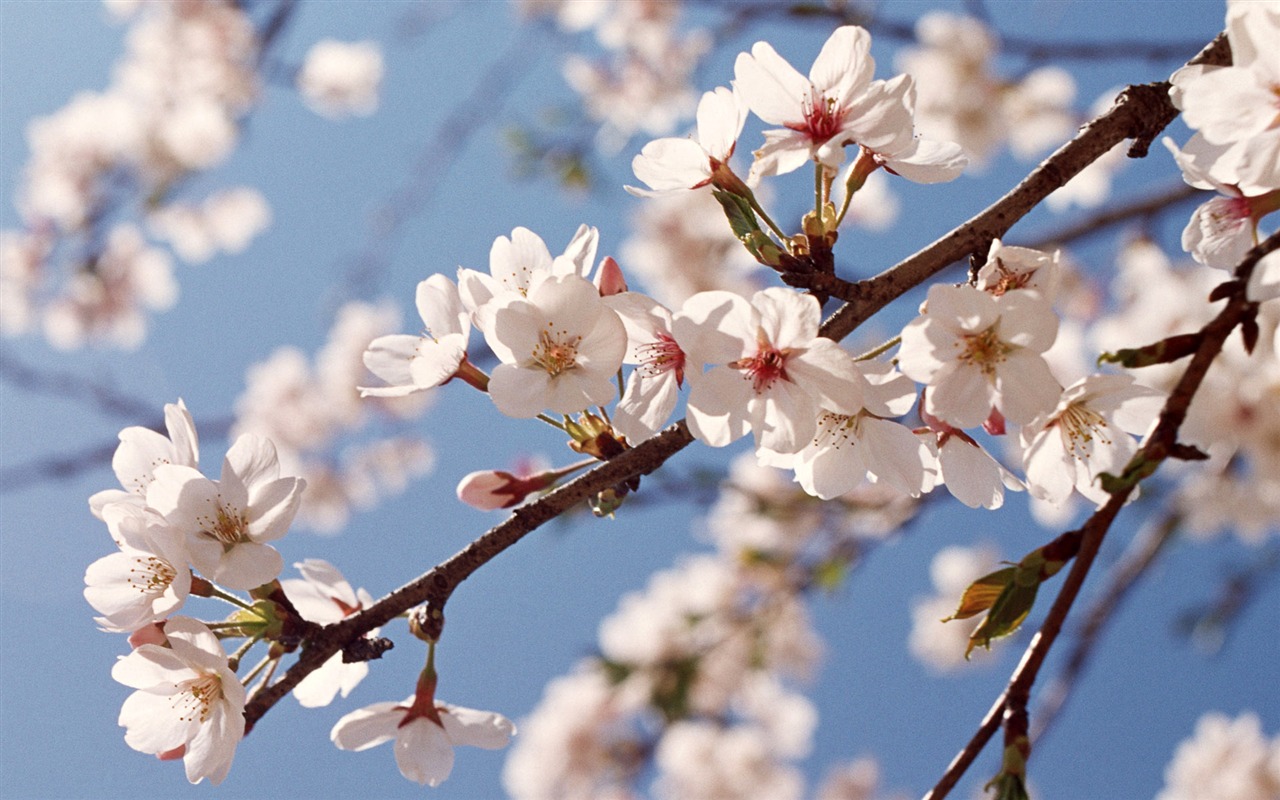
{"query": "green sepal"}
(982, 594)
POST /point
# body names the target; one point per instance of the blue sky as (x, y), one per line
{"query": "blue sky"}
(529, 615)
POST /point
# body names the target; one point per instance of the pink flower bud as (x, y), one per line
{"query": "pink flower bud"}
(994, 423)
(149, 634)
(609, 279)
(489, 490)
(174, 754)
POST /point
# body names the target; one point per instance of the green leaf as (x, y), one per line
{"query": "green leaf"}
(1006, 615)
(982, 594)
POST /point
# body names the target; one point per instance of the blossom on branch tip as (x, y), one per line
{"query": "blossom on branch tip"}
(415, 363)
(324, 597)
(675, 164)
(187, 700)
(141, 450)
(424, 739)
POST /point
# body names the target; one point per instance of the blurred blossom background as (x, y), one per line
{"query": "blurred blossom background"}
(280, 204)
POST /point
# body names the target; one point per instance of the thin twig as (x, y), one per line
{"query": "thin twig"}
(1144, 208)
(103, 397)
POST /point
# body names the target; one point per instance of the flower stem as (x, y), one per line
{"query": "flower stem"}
(214, 591)
(881, 350)
(550, 421)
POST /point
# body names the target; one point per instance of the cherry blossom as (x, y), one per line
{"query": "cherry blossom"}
(324, 597)
(1009, 268)
(771, 372)
(141, 450)
(1226, 759)
(146, 581)
(1085, 436)
(187, 698)
(416, 363)
(654, 384)
(976, 351)
(516, 263)
(1235, 106)
(836, 105)
(560, 348)
(228, 522)
(424, 738)
(670, 165)
(340, 79)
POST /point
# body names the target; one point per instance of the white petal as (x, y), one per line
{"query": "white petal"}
(424, 752)
(672, 165)
(369, 726)
(483, 729)
(771, 87)
(717, 408)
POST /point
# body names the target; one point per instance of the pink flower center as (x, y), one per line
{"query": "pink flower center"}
(662, 355)
(983, 350)
(765, 367)
(821, 118)
(556, 353)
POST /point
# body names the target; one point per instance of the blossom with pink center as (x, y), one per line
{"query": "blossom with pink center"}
(1087, 435)
(424, 737)
(324, 597)
(560, 347)
(146, 581)
(654, 384)
(977, 351)
(187, 700)
(676, 164)
(516, 263)
(415, 363)
(771, 371)
(227, 523)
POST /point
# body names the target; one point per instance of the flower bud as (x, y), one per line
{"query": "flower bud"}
(609, 279)
(489, 490)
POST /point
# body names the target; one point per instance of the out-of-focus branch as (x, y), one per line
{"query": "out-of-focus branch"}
(1160, 445)
(1140, 113)
(20, 476)
(845, 13)
(482, 105)
(1137, 559)
(1144, 208)
(101, 396)
(1210, 624)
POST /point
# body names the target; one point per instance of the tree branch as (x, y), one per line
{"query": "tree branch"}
(1138, 209)
(1161, 444)
(1140, 113)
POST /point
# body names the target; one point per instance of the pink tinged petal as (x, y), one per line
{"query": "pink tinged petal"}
(888, 393)
(580, 253)
(210, 752)
(150, 724)
(329, 579)
(318, 689)
(668, 165)
(830, 375)
(783, 151)
(1050, 469)
(971, 476)
(150, 666)
(642, 317)
(960, 395)
(881, 119)
(139, 453)
(715, 327)
(424, 752)
(253, 460)
(369, 726)
(389, 358)
(929, 161)
(717, 408)
(467, 726)
(1228, 105)
(844, 64)
(1220, 232)
(513, 262)
(770, 87)
(896, 455)
(440, 307)
(721, 114)
(247, 565)
(962, 309)
(272, 508)
(646, 404)
(520, 393)
(1027, 320)
(783, 418)
(788, 318)
(437, 361)
(182, 432)
(1025, 387)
